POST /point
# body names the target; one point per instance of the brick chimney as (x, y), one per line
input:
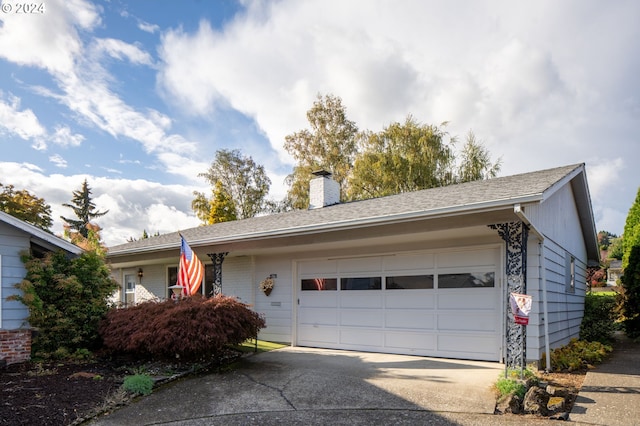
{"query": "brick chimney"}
(323, 190)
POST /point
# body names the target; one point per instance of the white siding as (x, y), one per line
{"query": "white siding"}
(557, 218)
(277, 308)
(237, 276)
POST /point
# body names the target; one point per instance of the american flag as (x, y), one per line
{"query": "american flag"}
(190, 271)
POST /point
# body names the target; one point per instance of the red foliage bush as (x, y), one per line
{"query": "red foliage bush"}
(191, 329)
(596, 277)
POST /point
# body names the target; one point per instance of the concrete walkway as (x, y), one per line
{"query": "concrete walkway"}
(320, 386)
(610, 394)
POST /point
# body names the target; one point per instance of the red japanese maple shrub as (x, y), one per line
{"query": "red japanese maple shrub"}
(192, 329)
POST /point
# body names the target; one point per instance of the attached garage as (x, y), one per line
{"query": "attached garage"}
(442, 304)
(424, 273)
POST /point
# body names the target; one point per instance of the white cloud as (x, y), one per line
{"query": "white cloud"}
(48, 40)
(63, 136)
(147, 27)
(133, 205)
(22, 123)
(58, 161)
(118, 49)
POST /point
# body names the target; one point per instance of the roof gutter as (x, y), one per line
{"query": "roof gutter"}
(519, 211)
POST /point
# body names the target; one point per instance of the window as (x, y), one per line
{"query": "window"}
(365, 283)
(467, 280)
(570, 274)
(409, 282)
(172, 278)
(129, 289)
(319, 284)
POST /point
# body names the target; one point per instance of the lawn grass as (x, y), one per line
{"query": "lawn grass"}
(604, 293)
(263, 346)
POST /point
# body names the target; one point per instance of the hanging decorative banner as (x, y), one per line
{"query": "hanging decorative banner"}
(521, 307)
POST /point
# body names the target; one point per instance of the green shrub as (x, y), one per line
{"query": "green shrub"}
(193, 329)
(598, 323)
(506, 386)
(141, 384)
(578, 355)
(67, 298)
(630, 293)
(515, 381)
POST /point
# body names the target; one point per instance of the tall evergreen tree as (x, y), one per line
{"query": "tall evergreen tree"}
(84, 209)
(476, 162)
(631, 236)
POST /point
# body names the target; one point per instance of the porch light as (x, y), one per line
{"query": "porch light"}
(140, 275)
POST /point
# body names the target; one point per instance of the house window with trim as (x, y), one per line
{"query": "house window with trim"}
(570, 274)
(172, 279)
(206, 289)
(129, 289)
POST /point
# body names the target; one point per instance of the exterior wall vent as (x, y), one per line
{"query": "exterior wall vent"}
(323, 190)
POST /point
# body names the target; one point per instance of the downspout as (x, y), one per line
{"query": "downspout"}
(519, 211)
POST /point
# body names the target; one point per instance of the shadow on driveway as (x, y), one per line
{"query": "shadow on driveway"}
(320, 386)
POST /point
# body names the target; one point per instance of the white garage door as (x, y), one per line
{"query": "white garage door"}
(433, 304)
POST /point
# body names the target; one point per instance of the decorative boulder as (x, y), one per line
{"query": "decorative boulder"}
(510, 404)
(535, 401)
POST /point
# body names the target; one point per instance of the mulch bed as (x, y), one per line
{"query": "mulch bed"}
(69, 393)
(54, 393)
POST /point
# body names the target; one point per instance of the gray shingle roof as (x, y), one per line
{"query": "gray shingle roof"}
(526, 187)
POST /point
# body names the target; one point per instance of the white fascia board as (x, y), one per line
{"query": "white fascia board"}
(38, 233)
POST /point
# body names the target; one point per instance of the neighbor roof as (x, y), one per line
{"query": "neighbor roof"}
(453, 199)
(40, 236)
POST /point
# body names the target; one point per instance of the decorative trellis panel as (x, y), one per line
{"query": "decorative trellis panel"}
(515, 235)
(217, 259)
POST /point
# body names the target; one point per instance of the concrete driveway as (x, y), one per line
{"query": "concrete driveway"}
(319, 386)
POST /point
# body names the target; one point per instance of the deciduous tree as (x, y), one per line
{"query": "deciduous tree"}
(239, 188)
(329, 144)
(25, 206)
(403, 157)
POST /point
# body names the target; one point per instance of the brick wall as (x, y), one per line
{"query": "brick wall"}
(15, 345)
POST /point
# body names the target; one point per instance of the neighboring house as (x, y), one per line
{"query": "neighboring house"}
(17, 236)
(423, 273)
(614, 271)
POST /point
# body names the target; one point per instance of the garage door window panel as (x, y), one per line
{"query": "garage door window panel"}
(319, 284)
(467, 280)
(409, 282)
(361, 283)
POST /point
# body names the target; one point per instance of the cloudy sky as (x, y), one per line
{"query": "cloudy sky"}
(137, 96)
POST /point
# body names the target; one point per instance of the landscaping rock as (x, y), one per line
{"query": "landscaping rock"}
(510, 404)
(556, 404)
(535, 401)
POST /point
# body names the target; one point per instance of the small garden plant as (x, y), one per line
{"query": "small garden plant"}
(578, 355)
(139, 384)
(514, 382)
